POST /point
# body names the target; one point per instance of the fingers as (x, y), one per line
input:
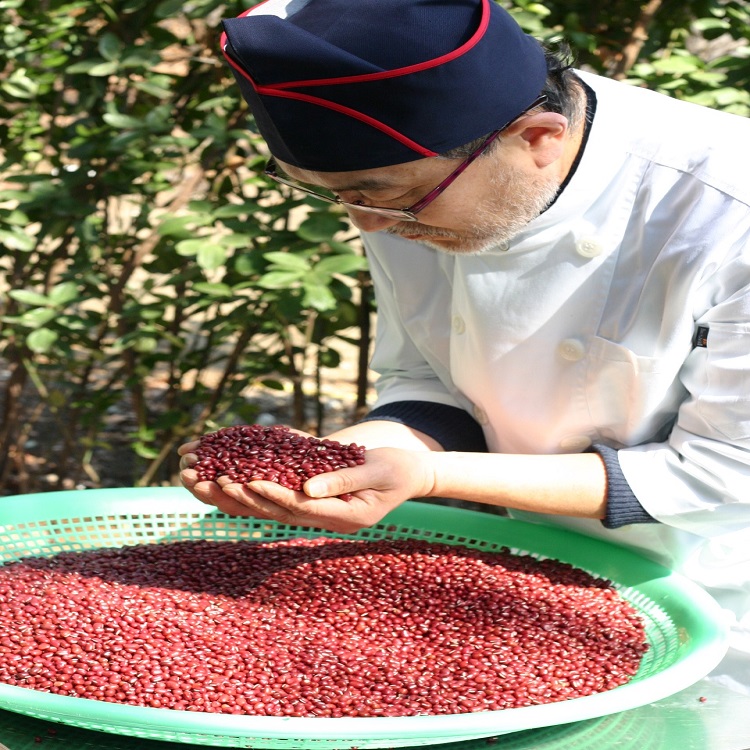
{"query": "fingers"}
(187, 454)
(211, 493)
(190, 447)
(266, 500)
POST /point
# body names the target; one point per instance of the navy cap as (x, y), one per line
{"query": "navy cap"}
(340, 85)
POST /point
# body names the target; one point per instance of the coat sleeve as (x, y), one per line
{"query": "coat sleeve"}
(699, 479)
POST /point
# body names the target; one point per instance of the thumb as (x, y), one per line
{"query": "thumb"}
(331, 484)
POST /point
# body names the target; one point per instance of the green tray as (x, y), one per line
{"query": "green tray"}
(683, 623)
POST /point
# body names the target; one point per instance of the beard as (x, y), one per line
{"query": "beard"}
(516, 199)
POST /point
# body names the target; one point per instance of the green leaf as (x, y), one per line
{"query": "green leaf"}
(280, 279)
(320, 227)
(707, 78)
(29, 298)
(122, 122)
(145, 344)
(38, 317)
(211, 256)
(709, 24)
(189, 248)
(275, 385)
(179, 226)
(158, 92)
(144, 450)
(15, 217)
(344, 248)
(677, 65)
(82, 66)
(232, 210)
(240, 240)
(41, 340)
(169, 8)
(247, 264)
(103, 69)
(21, 85)
(319, 297)
(15, 239)
(342, 264)
(213, 289)
(289, 261)
(131, 6)
(329, 357)
(63, 293)
(109, 47)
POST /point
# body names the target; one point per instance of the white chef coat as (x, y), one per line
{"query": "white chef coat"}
(581, 331)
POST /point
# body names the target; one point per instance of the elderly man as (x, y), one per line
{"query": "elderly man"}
(562, 271)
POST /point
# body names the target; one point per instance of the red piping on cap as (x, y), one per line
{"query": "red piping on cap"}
(416, 68)
(353, 113)
(413, 145)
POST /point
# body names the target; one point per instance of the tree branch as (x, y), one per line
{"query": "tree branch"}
(638, 38)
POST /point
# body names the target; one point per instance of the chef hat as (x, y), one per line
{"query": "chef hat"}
(339, 85)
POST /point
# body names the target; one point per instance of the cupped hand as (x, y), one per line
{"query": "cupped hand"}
(388, 477)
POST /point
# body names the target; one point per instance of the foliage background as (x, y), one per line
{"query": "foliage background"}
(152, 281)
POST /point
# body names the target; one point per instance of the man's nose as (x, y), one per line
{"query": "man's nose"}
(367, 221)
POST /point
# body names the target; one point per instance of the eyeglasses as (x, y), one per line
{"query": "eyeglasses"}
(401, 214)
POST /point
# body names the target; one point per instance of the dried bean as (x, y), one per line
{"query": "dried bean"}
(313, 627)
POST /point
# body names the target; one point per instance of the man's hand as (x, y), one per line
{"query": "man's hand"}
(388, 477)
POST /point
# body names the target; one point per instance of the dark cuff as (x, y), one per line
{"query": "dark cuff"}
(450, 426)
(623, 507)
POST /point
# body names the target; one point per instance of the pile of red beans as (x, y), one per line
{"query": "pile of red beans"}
(313, 627)
(248, 452)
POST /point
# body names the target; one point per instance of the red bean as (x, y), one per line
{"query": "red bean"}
(249, 452)
(313, 627)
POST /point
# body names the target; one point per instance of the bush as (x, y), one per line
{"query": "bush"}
(153, 275)
(152, 271)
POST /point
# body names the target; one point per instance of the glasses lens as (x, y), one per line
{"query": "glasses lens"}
(321, 193)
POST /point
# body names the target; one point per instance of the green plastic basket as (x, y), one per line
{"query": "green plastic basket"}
(683, 623)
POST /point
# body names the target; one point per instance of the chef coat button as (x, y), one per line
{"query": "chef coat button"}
(571, 349)
(480, 415)
(589, 247)
(573, 443)
(458, 324)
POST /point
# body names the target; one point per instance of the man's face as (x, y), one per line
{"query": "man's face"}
(491, 202)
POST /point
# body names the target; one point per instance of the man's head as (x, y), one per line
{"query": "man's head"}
(358, 98)
(339, 85)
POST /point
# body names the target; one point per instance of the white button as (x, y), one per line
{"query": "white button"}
(458, 324)
(571, 349)
(575, 443)
(480, 415)
(589, 247)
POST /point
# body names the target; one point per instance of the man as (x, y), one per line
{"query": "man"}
(562, 271)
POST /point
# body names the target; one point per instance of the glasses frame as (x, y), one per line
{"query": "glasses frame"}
(409, 213)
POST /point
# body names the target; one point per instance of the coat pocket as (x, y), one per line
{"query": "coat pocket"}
(632, 399)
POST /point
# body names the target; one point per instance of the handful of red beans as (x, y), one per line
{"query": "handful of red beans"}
(248, 452)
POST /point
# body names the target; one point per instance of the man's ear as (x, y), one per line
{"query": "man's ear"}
(543, 134)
